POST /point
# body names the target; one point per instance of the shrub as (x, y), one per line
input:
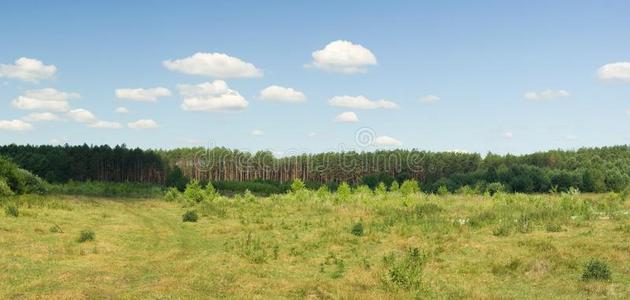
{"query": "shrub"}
(211, 192)
(12, 210)
(381, 189)
(194, 192)
(86, 235)
(409, 187)
(554, 227)
(172, 195)
(495, 187)
(32, 183)
(344, 191)
(323, 192)
(442, 190)
(297, 185)
(357, 229)
(394, 187)
(190, 216)
(5, 190)
(406, 272)
(596, 270)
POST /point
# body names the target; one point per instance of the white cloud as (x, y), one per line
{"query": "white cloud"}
(85, 116)
(44, 99)
(105, 125)
(282, 94)
(122, 110)
(386, 141)
(508, 135)
(15, 125)
(28, 69)
(546, 95)
(619, 71)
(140, 94)
(218, 65)
(258, 132)
(429, 99)
(360, 102)
(215, 96)
(143, 124)
(347, 117)
(42, 117)
(343, 57)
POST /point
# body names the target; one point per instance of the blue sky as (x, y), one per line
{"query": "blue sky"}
(510, 77)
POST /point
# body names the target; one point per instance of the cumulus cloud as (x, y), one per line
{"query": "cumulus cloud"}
(15, 125)
(546, 95)
(258, 132)
(386, 141)
(218, 65)
(347, 117)
(140, 94)
(211, 96)
(28, 69)
(619, 71)
(343, 57)
(429, 99)
(42, 117)
(85, 116)
(143, 124)
(360, 102)
(282, 94)
(122, 110)
(44, 99)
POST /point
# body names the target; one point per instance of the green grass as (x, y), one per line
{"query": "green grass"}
(283, 247)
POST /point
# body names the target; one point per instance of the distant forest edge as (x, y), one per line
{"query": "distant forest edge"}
(588, 169)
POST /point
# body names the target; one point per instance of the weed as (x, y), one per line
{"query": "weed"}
(190, 216)
(357, 229)
(86, 236)
(12, 210)
(596, 270)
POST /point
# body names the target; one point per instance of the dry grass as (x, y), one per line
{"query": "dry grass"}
(279, 247)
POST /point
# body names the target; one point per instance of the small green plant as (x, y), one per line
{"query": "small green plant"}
(596, 270)
(12, 210)
(86, 236)
(442, 190)
(190, 216)
(409, 187)
(381, 189)
(211, 192)
(297, 185)
(553, 227)
(55, 229)
(344, 191)
(394, 187)
(172, 195)
(495, 187)
(194, 192)
(357, 229)
(404, 272)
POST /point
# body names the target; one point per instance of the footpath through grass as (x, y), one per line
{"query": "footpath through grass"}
(317, 246)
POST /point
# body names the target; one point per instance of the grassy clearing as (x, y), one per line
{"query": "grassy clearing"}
(318, 245)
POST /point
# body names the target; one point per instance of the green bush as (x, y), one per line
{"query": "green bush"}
(86, 236)
(381, 189)
(344, 191)
(404, 272)
(107, 189)
(194, 192)
(211, 192)
(5, 190)
(172, 195)
(357, 229)
(297, 185)
(394, 187)
(596, 270)
(495, 187)
(409, 187)
(32, 183)
(442, 190)
(190, 216)
(12, 210)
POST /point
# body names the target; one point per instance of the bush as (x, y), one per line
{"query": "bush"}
(172, 195)
(406, 272)
(86, 235)
(5, 190)
(495, 187)
(344, 191)
(211, 192)
(297, 185)
(12, 210)
(442, 190)
(194, 192)
(357, 229)
(409, 187)
(394, 187)
(190, 216)
(32, 183)
(107, 189)
(596, 270)
(381, 189)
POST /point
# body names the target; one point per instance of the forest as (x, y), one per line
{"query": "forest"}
(587, 169)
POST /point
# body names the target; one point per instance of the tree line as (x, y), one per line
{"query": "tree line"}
(588, 169)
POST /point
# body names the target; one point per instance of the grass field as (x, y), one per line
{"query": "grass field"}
(317, 246)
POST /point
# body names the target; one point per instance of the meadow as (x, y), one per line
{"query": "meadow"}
(350, 244)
